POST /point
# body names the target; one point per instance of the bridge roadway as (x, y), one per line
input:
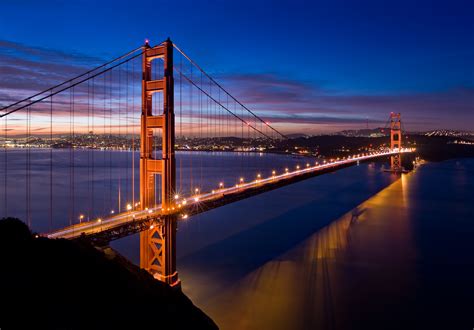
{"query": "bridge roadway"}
(123, 224)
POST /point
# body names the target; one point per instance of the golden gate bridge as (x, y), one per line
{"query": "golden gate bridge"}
(146, 108)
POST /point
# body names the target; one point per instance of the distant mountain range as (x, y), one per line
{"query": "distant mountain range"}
(447, 132)
(379, 131)
(376, 132)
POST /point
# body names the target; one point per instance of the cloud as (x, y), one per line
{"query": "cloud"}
(26, 70)
(290, 105)
(41, 54)
(281, 100)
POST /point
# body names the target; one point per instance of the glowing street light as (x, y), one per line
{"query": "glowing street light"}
(81, 217)
(129, 207)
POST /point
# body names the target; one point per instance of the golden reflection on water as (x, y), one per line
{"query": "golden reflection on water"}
(321, 282)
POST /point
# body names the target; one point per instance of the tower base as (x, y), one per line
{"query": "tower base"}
(396, 170)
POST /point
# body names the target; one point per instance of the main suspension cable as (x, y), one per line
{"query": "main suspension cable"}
(221, 105)
(215, 82)
(65, 88)
(72, 79)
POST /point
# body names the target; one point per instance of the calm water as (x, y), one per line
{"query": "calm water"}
(341, 251)
(94, 183)
(353, 249)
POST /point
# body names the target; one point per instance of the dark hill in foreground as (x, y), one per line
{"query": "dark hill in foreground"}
(59, 284)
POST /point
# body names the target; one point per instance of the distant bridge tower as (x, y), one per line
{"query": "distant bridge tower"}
(396, 141)
(158, 244)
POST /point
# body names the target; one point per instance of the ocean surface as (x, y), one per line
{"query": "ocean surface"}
(357, 248)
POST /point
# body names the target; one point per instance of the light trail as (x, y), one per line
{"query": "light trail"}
(103, 224)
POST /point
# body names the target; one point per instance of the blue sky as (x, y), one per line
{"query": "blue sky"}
(338, 61)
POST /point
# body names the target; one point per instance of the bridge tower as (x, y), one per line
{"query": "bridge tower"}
(396, 142)
(158, 244)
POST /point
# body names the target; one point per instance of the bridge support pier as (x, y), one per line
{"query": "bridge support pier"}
(157, 251)
(158, 244)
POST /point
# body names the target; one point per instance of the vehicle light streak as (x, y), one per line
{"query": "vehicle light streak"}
(91, 227)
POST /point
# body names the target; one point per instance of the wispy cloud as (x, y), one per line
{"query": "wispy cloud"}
(289, 104)
(25, 70)
(282, 101)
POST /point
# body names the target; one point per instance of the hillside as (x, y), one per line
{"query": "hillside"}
(60, 284)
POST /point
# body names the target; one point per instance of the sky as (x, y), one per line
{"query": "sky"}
(307, 67)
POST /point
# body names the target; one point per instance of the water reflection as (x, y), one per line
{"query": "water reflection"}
(329, 280)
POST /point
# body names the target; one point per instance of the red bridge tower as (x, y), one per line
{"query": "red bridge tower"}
(396, 142)
(158, 244)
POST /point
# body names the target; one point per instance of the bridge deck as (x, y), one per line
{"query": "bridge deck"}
(124, 224)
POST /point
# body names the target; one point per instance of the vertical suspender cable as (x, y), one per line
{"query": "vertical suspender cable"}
(200, 134)
(5, 192)
(94, 136)
(51, 163)
(73, 153)
(70, 157)
(190, 131)
(133, 135)
(118, 154)
(127, 174)
(109, 166)
(181, 121)
(127, 123)
(89, 151)
(104, 156)
(27, 177)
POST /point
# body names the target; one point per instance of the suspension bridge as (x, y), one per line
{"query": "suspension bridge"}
(118, 150)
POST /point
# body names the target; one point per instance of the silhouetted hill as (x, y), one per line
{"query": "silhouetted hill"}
(438, 148)
(431, 148)
(60, 284)
(296, 135)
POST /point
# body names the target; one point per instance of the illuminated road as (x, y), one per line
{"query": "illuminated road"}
(205, 201)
